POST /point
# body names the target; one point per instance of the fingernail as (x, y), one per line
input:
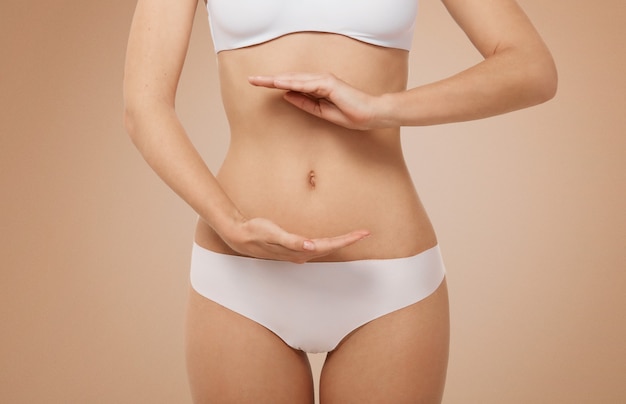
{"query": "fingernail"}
(309, 245)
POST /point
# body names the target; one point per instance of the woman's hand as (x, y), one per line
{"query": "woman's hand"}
(262, 238)
(327, 97)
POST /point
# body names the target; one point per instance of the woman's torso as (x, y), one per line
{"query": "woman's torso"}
(309, 176)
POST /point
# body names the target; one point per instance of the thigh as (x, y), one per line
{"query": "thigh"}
(232, 359)
(400, 357)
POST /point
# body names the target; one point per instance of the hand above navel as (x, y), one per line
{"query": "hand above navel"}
(327, 97)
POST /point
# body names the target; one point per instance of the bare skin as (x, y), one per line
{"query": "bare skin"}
(315, 171)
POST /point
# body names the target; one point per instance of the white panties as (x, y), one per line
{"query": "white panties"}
(313, 306)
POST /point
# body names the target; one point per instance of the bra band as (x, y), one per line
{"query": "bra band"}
(240, 23)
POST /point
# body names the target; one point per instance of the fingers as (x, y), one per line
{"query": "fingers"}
(283, 78)
(314, 106)
(315, 94)
(327, 245)
(318, 85)
(302, 250)
(322, 246)
(262, 238)
(325, 96)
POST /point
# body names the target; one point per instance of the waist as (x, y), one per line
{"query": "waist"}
(315, 170)
(325, 184)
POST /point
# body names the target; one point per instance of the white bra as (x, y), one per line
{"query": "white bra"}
(239, 23)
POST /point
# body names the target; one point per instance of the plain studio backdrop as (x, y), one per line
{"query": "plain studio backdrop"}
(94, 250)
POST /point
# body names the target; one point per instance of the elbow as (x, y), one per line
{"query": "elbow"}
(548, 82)
(129, 119)
(131, 111)
(542, 79)
(132, 119)
(141, 115)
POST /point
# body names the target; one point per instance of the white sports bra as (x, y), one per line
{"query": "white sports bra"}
(239, 23)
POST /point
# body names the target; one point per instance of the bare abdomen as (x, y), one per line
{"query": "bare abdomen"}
(326, 183)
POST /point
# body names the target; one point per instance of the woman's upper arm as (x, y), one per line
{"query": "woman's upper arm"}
(157, 46)
(501, 28)
(495, 25)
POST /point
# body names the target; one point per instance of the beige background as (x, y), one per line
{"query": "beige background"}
(529, 209)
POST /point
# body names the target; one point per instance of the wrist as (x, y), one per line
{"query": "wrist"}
(226, 223)
(386, 111)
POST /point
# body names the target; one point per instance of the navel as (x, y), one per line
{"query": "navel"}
(311, 179)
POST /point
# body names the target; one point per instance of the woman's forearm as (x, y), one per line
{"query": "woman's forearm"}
(158, 134)
(157, 46)
(507, 81)
(517, 71)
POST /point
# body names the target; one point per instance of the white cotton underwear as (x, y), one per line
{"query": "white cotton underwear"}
(313, 306)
